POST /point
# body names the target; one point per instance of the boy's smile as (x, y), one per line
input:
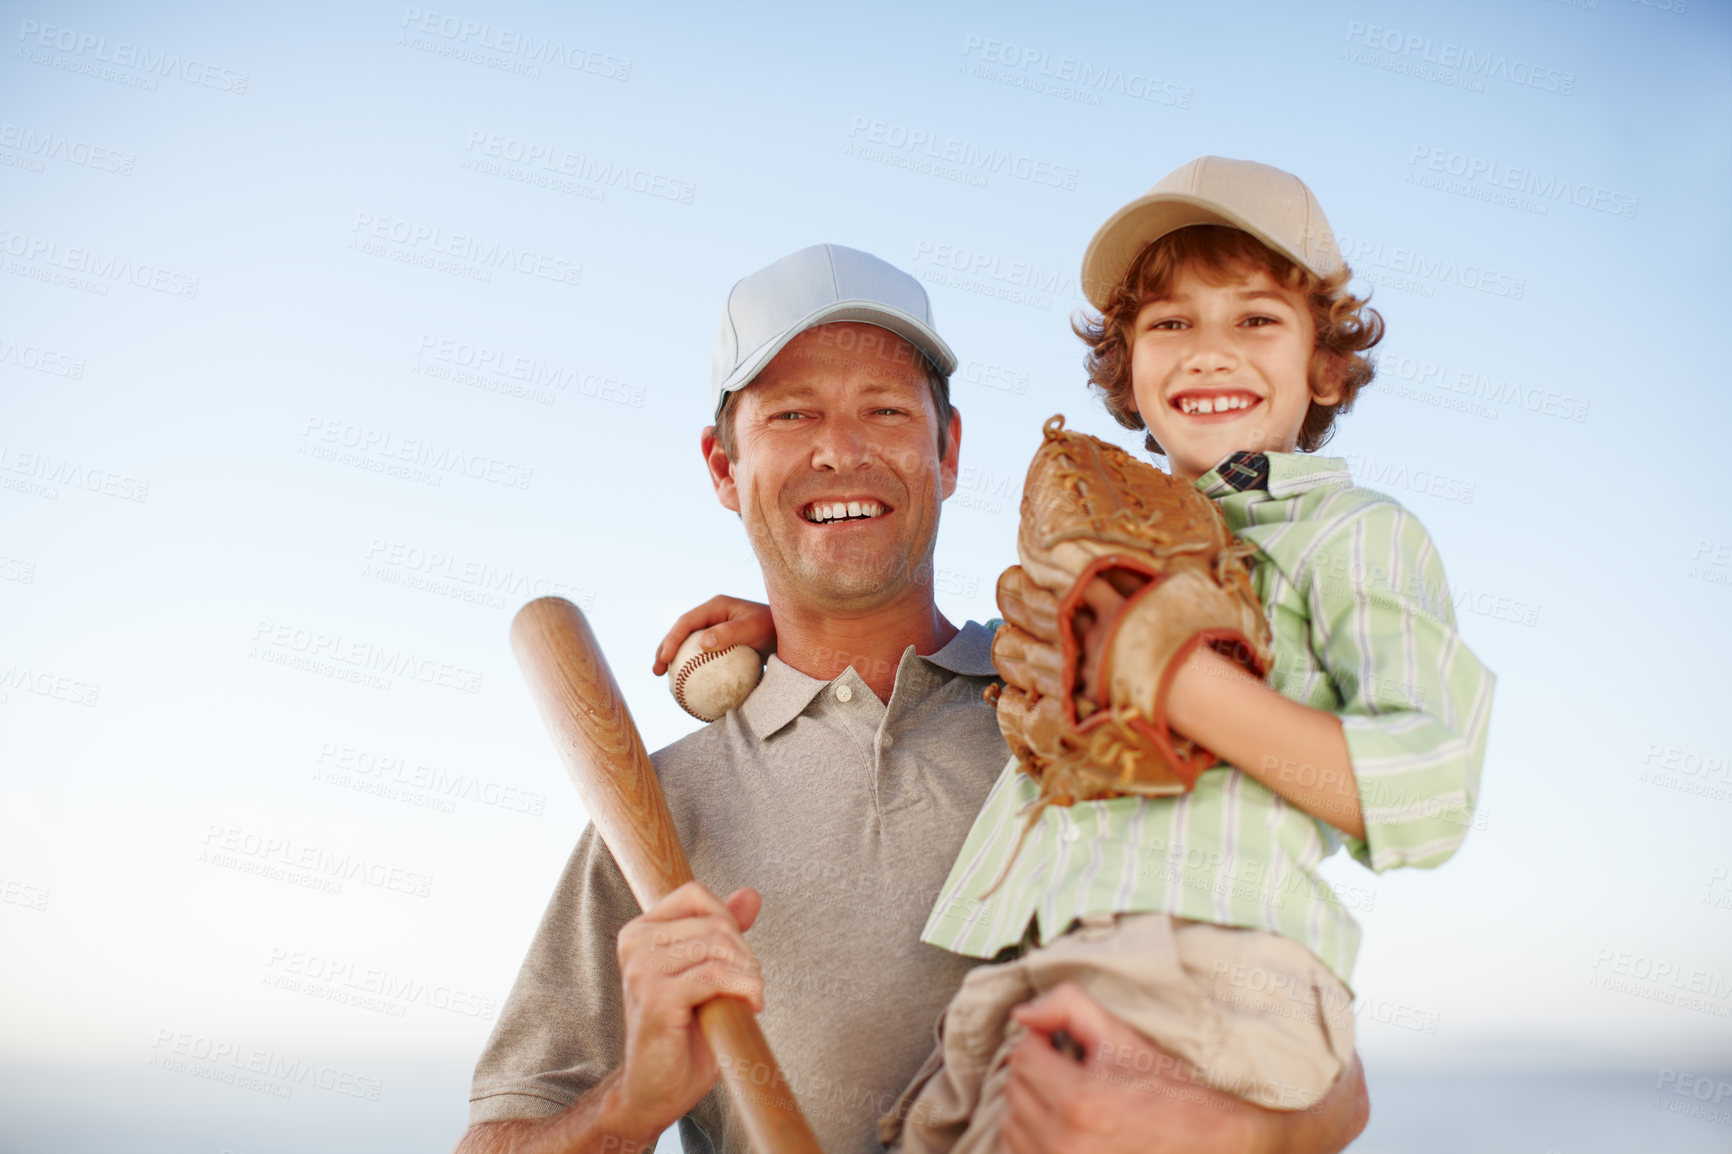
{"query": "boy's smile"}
(1219, 368)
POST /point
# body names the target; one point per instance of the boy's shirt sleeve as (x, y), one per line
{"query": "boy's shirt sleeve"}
(1415, 700)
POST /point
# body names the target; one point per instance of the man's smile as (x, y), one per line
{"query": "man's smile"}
(827, 511)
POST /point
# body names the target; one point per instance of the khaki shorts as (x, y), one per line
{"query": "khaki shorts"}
(1254, 1014)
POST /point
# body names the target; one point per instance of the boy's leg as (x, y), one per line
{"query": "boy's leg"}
(1288, 1022)
(1132, 966)
(1251, 1013)
(955, 1104)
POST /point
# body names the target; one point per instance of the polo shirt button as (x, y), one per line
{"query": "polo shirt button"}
(844, 694)
(888, 741)
(1072, 833)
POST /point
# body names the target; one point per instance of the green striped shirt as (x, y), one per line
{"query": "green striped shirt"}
(1364, 628)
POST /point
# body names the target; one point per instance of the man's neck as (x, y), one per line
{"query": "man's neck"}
(822, 643)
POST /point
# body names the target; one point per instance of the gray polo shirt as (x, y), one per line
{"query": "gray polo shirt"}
(846, 813)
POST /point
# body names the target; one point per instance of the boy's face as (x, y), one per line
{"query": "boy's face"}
(1216, 369)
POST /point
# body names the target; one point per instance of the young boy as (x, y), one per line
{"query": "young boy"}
(1227, 332)
(1201, 920)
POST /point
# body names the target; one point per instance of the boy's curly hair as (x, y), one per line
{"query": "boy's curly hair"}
(1346, 327)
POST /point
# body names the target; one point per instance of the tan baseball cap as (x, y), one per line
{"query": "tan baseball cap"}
(1271, 205)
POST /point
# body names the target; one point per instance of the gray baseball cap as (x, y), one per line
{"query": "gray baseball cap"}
(815, 286)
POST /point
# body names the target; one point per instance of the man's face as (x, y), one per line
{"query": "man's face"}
(1216, 369)
(841, 420)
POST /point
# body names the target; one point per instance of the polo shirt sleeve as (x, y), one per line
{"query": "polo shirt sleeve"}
(562, 1029)
(1416, 702)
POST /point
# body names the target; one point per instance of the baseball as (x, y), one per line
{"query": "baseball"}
(708, 684)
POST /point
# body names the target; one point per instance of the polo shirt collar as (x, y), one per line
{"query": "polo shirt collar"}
(968, 653)
(785, 692)
(779, 698)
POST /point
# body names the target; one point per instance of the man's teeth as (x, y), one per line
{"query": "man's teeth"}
(1214, 404)
(843, 510)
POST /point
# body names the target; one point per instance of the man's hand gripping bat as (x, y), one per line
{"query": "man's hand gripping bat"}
(587, 718)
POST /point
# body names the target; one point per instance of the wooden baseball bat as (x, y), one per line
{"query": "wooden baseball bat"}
(588, 720)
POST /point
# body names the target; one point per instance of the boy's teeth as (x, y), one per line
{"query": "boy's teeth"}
(1212, 404)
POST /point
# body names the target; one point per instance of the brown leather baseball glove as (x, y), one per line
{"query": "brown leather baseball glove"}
(1086, 675)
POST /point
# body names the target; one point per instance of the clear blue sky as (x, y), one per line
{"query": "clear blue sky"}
(347, 328)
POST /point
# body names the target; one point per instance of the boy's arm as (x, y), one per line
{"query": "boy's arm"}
(730, 621)
(1298, 752)
(1397, 766)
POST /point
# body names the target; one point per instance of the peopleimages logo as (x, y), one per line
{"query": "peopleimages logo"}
(85, 52)
(514, 373)
(1067, 77)
(555, 161)
(279, 644)
(103, 268)
(40, 360)
(464, 578)
(870, 137)
(1527, 188)
(44, 683)
(41, 474)
(1667, 981)
(991, 275)
(253, 1068)
(47, 145)
(1410, 268)
(1417, 51)
(463, 36)
(229, 846)
(330, 438)
(414, 243)
(1468, 390)
(369, 987)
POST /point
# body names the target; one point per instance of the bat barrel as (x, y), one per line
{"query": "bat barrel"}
(586, 716)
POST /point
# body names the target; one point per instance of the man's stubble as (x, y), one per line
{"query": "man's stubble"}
(852, 576)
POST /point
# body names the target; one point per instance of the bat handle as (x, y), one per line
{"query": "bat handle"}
(774, 1124)
(587, 718)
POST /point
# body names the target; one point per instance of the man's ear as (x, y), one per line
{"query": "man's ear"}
(947, 467)
(721, 470)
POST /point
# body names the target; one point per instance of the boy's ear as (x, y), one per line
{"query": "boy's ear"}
(1128, 403)
(1328, 377)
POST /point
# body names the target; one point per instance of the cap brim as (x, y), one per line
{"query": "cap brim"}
(1138, 224)
(921, 336)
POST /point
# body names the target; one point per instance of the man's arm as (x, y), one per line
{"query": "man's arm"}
(683, 951)
(1130, 1096)
(587, 1125)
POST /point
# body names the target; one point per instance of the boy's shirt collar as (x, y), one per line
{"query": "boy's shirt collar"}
(1243, 471)
(1278, 474)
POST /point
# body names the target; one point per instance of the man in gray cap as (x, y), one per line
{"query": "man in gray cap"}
(839, 793)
